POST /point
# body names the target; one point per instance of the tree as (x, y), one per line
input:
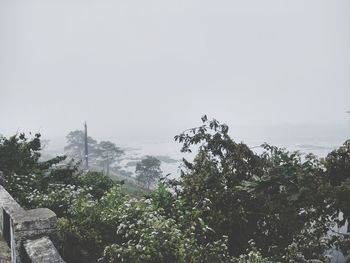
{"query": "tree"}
(337, 164)
(106, 154)
(148, 170)
(271, 198)
(19, 162)
(97, 183)
(101, 155)
(19, 154)
(76, 145)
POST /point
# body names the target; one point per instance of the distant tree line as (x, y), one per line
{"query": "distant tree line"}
(101, 154)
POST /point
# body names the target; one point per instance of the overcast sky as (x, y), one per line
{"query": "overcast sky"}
(149, 69)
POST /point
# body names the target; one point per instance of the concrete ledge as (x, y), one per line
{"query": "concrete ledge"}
(27, 232)
(42, 250)
(5, 252)
(35, 219)
(6, 200)
(9, 205)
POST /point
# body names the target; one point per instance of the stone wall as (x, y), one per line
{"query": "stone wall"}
(27, 232)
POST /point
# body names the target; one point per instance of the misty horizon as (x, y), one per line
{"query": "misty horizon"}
(274, 71)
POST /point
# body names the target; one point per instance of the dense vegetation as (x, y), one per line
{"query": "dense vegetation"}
(229, 205)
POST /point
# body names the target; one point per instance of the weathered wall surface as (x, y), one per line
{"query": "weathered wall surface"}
(5, 252)
(42, 250)
(27, 232)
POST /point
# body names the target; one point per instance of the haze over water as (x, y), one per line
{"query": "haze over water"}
(140, 72)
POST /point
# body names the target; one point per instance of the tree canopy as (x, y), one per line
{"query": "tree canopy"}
(273, 198)
(75, 147)
(229, 205)
(101, 154)
(148, 171)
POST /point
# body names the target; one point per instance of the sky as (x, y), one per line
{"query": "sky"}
(146, 70)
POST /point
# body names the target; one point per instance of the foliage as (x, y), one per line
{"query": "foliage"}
(133, 230)
(106, 154)
(337, 164)
(150, 236)
(97, 184)
(90, 227)
(229, 205)
(20, 155)
(60, 198)
(148, 171)
(270, 198)
(101, 154)
(76, 145)
(253, 255)
(19, 161)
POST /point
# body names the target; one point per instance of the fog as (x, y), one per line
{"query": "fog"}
(146, 70)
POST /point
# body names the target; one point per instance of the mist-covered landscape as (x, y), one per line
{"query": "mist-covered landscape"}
(175, 131)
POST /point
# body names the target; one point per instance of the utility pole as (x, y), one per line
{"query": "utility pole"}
(86, 147)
